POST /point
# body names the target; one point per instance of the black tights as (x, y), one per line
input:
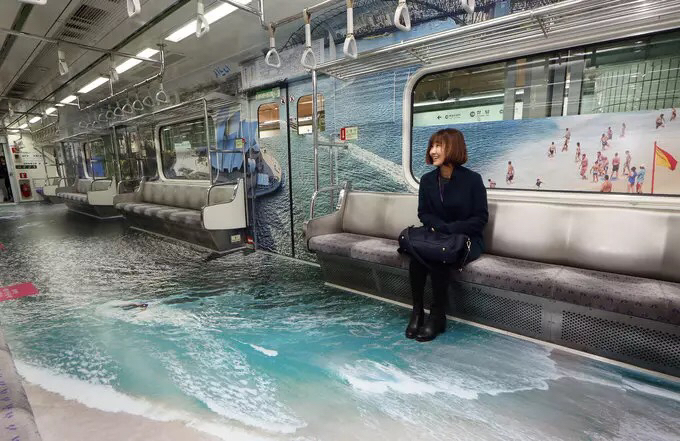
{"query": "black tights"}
(440, 275)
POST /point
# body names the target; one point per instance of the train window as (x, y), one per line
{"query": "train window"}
(304, 114)
(589, 119)
(96, 164)
(268, 120)
(184, 152)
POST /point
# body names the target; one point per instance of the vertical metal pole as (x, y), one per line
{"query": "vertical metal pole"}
(262, 18)
(116, 152)
(253, 188)
(207, 138)
(315, 128)
(42, 152)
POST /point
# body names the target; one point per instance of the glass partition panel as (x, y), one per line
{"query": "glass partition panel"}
(184, 152)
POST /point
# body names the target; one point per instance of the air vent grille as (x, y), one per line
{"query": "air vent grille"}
(661, 348)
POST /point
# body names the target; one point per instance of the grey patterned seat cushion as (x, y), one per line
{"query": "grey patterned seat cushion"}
(183, 216)
(78, 197)
(635, 296)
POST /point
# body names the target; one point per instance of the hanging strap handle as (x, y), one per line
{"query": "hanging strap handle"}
(202, 25)
(402, 12)
(134, 7)
(118, 111)
(63, 66)
(137, 104)
(161, 96)
(350, 46)
(468, 6)
(272, 59)
(109, 114)
(308, 57)
(127, 107)
(147, 101)
(113, 73)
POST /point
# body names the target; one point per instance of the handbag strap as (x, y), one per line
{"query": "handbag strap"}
(412, 250)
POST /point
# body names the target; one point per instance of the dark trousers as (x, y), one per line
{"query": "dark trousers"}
(440, 275)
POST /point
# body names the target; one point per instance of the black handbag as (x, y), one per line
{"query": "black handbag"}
(427, 245)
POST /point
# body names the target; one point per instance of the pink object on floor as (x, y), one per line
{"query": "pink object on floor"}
(16, 291)
(2, 247)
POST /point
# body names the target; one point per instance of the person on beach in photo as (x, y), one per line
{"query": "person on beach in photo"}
(538, 183)
(626, 165)
(606, 185)
(578, 152)
(567, 137)
(610, 133)
(595, 171)
(631, 181)
(509, 176)
(492, 184)
(640, 179)
(674, 114)
(605, 141)
(660, 122)
(623, 130)
(584, 166)
(604, 164)
(615, 166)
(552, 150)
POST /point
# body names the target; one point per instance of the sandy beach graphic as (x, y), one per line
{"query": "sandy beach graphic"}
(604, 140)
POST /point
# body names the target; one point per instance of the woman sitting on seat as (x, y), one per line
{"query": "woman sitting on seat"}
(452, 199)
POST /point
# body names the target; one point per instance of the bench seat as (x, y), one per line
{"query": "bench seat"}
(164, 212)
(77, 197)
(635, 296)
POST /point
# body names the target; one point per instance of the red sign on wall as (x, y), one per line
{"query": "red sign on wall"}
(23, 175)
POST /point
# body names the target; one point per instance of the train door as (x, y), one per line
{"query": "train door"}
(268, 126)
(8, 184)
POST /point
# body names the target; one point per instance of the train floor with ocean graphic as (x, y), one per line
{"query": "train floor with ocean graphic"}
(256, 347)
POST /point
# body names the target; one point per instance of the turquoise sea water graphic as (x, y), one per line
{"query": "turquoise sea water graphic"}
(255, 347)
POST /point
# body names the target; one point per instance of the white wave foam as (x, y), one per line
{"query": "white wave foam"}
(376, 378)
(265, 351)
(651, 390)
(107, 399)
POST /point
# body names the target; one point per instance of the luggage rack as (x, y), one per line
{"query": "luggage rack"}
(542, 29)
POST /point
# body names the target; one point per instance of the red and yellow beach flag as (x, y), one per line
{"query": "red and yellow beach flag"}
(663, 158)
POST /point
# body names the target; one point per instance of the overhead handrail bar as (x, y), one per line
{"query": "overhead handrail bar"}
(350, 46)
(312, 9)
(86, 47)
(202, 25)
(402, 12)
(134, 86)
(309, 52)
(272, 58)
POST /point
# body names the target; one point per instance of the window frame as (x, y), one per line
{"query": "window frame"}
(278, 111)
(158, 143)
(521, 195)
(297, 111)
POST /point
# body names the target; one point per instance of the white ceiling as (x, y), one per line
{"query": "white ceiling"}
(236, 37)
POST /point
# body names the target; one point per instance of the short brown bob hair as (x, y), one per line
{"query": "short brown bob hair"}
(454, 146)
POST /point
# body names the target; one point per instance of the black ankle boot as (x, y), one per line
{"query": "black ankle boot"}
(416, 322)
(434, 325)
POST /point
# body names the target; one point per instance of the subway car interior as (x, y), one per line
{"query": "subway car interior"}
(210, 211)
